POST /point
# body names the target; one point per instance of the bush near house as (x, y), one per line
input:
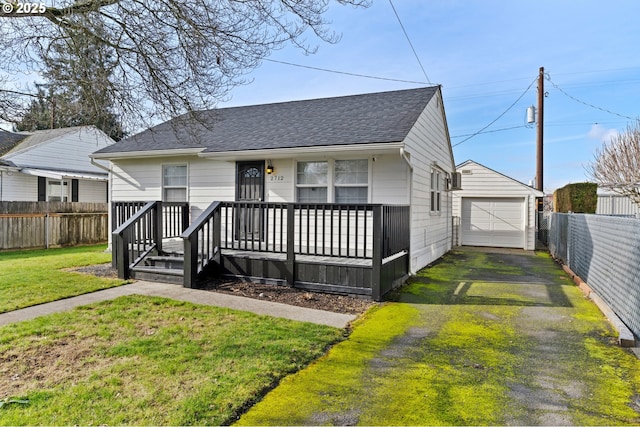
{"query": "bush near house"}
(577, 198)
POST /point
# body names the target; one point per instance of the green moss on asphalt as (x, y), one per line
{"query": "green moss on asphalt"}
(332, 384)
(458, 348)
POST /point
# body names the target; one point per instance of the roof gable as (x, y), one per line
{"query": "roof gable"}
(359, 119)
(498, 177)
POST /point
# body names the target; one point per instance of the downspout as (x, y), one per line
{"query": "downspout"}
(405, 156)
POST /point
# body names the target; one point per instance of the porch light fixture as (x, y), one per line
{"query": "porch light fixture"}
(269, 167)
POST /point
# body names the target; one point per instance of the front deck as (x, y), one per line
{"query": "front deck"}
(347, 249)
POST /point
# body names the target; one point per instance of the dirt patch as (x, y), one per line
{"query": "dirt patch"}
(39, 366)
(274, 293)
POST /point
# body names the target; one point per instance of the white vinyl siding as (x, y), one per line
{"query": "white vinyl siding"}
(429, 148)
(92, 191)
(18, 187)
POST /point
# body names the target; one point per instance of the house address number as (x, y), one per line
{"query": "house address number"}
(276, 177)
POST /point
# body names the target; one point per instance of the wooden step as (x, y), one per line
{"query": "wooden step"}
(163, 261)
(158, 274)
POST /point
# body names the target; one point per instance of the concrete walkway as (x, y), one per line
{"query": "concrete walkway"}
(267, 308)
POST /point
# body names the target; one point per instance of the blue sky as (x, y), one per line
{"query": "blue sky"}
(485, 54)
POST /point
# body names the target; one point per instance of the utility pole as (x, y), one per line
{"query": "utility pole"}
(540, 139)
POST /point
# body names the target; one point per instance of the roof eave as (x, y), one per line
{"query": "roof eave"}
(146, 154)
(275, 153)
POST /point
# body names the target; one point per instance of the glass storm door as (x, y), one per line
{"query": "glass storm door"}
(249, 189)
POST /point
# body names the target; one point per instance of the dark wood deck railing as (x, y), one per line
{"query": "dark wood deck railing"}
(359, 248)
(175, 216)
(137, 237)
(201, 244)
(330, 230)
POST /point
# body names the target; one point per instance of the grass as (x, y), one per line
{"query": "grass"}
(480, 353)
(34, 277)
(148, 361)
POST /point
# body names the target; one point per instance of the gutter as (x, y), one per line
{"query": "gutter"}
(96, 164)
(405, 156)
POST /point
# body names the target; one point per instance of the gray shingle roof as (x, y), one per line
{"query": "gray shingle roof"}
(8, 140)
(358, 119)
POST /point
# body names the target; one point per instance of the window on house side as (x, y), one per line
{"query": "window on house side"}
(435, 191)
(351, 181)
(174, 183)
(57, 191)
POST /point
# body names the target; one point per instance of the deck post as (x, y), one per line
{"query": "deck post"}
(217, 236)
(376, 271)
(291, 229)
(158, 230)
(120, 242)
(190, 262)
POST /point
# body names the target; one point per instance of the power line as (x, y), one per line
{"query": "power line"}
(500, 116)
(409, 40)
(490, 131)
(346, 73)
(586, 103)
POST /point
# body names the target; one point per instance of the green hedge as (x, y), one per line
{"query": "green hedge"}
(578, 198)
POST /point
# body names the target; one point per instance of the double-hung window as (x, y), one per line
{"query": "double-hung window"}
(312, 182)
(351, 181)
(436, 178)
(174, 183)
(342, 181)
(57, 190)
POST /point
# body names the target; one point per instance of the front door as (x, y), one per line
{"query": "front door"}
(249, 188)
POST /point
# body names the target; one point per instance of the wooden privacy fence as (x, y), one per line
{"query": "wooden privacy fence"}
(52, 224)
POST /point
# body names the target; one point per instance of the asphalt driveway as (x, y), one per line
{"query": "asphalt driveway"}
(481, 337)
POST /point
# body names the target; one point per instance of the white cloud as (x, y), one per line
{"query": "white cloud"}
(601, 133)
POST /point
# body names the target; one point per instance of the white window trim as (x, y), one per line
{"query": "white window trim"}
(437, 191)
(64, 183)
(186, 186)
(330, 185)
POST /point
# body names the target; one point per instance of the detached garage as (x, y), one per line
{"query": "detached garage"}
(494, 210)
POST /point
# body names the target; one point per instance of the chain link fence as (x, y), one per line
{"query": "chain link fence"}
(605, 252)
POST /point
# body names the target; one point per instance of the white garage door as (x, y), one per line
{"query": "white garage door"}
(492, 222)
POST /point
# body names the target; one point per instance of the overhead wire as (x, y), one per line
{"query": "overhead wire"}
(346, 73)
(586, 103)
(409, 40)
(491, 131)
(499, 117)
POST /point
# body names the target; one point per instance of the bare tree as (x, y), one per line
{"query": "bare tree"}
(616, 166)
(170, 56)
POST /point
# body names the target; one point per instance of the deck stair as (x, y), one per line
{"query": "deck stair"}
(160, 268)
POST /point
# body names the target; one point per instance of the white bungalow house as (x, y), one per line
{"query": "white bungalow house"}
(492, 209)
(53, 165)
(336, 166)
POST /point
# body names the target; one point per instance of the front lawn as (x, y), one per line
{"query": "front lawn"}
(34, 277)
(148, 361)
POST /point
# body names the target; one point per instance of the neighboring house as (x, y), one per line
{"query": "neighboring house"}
(493, 209)
(389, 148)
(53, 165)
(610, 203)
